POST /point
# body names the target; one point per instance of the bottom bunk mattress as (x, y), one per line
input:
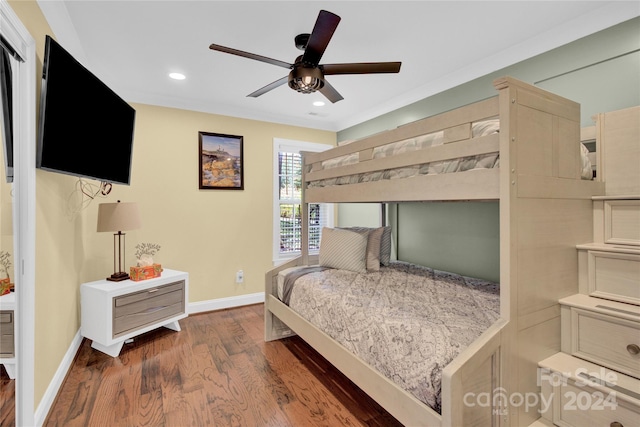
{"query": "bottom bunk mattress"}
(406, 321)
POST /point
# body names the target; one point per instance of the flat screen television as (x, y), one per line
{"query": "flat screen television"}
(85, 128)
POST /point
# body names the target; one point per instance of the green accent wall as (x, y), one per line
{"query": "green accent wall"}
(439, 235)
(599, 71)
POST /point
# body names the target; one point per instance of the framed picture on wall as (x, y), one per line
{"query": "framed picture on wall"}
(221, 161)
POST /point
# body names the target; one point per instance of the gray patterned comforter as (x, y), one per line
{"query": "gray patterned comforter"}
(406, 321)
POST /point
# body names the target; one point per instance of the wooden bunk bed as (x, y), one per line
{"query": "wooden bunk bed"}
(545, 210)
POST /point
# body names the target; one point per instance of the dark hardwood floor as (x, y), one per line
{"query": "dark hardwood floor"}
(7, 401)
(217, 371)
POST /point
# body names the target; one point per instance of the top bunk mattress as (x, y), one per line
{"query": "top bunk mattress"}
(479, 129)
(406, 321)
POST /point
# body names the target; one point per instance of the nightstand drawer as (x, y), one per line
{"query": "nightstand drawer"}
(607, 340)
(136, 310)
(6, 317)
(6, 334)
(6, 346)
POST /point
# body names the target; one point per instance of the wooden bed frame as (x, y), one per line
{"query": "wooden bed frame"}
(545, 210)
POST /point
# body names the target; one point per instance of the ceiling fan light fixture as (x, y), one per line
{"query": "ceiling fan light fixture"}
(307, 73)
(306, 80)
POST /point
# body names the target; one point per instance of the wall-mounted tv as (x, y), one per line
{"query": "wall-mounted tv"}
(85, 128)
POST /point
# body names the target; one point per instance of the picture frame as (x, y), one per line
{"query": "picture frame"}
(221, 161)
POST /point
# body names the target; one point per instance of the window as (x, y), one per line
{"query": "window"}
(288, 201)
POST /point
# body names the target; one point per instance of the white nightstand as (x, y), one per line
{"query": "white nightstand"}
(113, 312)
(7, 327)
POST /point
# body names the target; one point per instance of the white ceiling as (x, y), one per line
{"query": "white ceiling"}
(133, 45)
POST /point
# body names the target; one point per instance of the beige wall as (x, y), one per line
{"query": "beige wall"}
(209, 233)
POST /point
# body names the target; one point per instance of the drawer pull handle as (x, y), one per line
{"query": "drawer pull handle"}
(633, 349)
(150, 291)
(615, 424)
(154, 309)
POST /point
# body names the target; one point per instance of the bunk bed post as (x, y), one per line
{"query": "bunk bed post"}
(304, 207)
(545, 210)
(507, 101)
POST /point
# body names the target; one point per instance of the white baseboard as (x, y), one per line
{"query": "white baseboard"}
(229, 302)
(54, 386)
(197, 307)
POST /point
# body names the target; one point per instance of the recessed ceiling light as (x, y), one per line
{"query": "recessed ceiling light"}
(177, 76)
(318, 103)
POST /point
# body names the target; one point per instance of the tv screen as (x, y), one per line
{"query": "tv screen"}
(86, 129)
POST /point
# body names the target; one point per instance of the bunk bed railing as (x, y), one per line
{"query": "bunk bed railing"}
(482, 184)
(374, 155)
(455, 124)
(471, 383)
(448, 151)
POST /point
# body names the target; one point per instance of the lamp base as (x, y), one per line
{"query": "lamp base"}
(118, 277)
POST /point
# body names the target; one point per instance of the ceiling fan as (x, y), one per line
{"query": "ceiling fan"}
(307, 74)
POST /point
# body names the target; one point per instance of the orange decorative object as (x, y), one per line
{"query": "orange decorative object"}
(5, 286)
(143, 273)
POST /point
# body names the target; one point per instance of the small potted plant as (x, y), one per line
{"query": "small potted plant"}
(146, 268)
(5, 282)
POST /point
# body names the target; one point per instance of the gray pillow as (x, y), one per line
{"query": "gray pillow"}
(385, 241)
(343, 249)
(385, 246)
(374, 238)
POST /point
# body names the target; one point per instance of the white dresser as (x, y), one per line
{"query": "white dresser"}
(114, 312)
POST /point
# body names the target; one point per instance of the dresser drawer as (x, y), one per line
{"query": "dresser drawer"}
(606, 340)
(581, 406)
(136, 310)
(613, 275)
(622, 222)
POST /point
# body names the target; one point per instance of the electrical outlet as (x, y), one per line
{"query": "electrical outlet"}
(240, 276)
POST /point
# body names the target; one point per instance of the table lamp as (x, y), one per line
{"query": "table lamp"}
(118, 217)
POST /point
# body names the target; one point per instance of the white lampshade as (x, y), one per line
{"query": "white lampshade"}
(118, 216)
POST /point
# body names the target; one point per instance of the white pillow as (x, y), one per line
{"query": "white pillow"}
(485, 127)
(586, 171)
(343, 249)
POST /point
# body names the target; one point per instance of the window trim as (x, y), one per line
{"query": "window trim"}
(292, 146)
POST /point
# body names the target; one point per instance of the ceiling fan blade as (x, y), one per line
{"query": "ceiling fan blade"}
(269, 87)
(361, 68)
(330, 93)
(323, 30)
(250, 56)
